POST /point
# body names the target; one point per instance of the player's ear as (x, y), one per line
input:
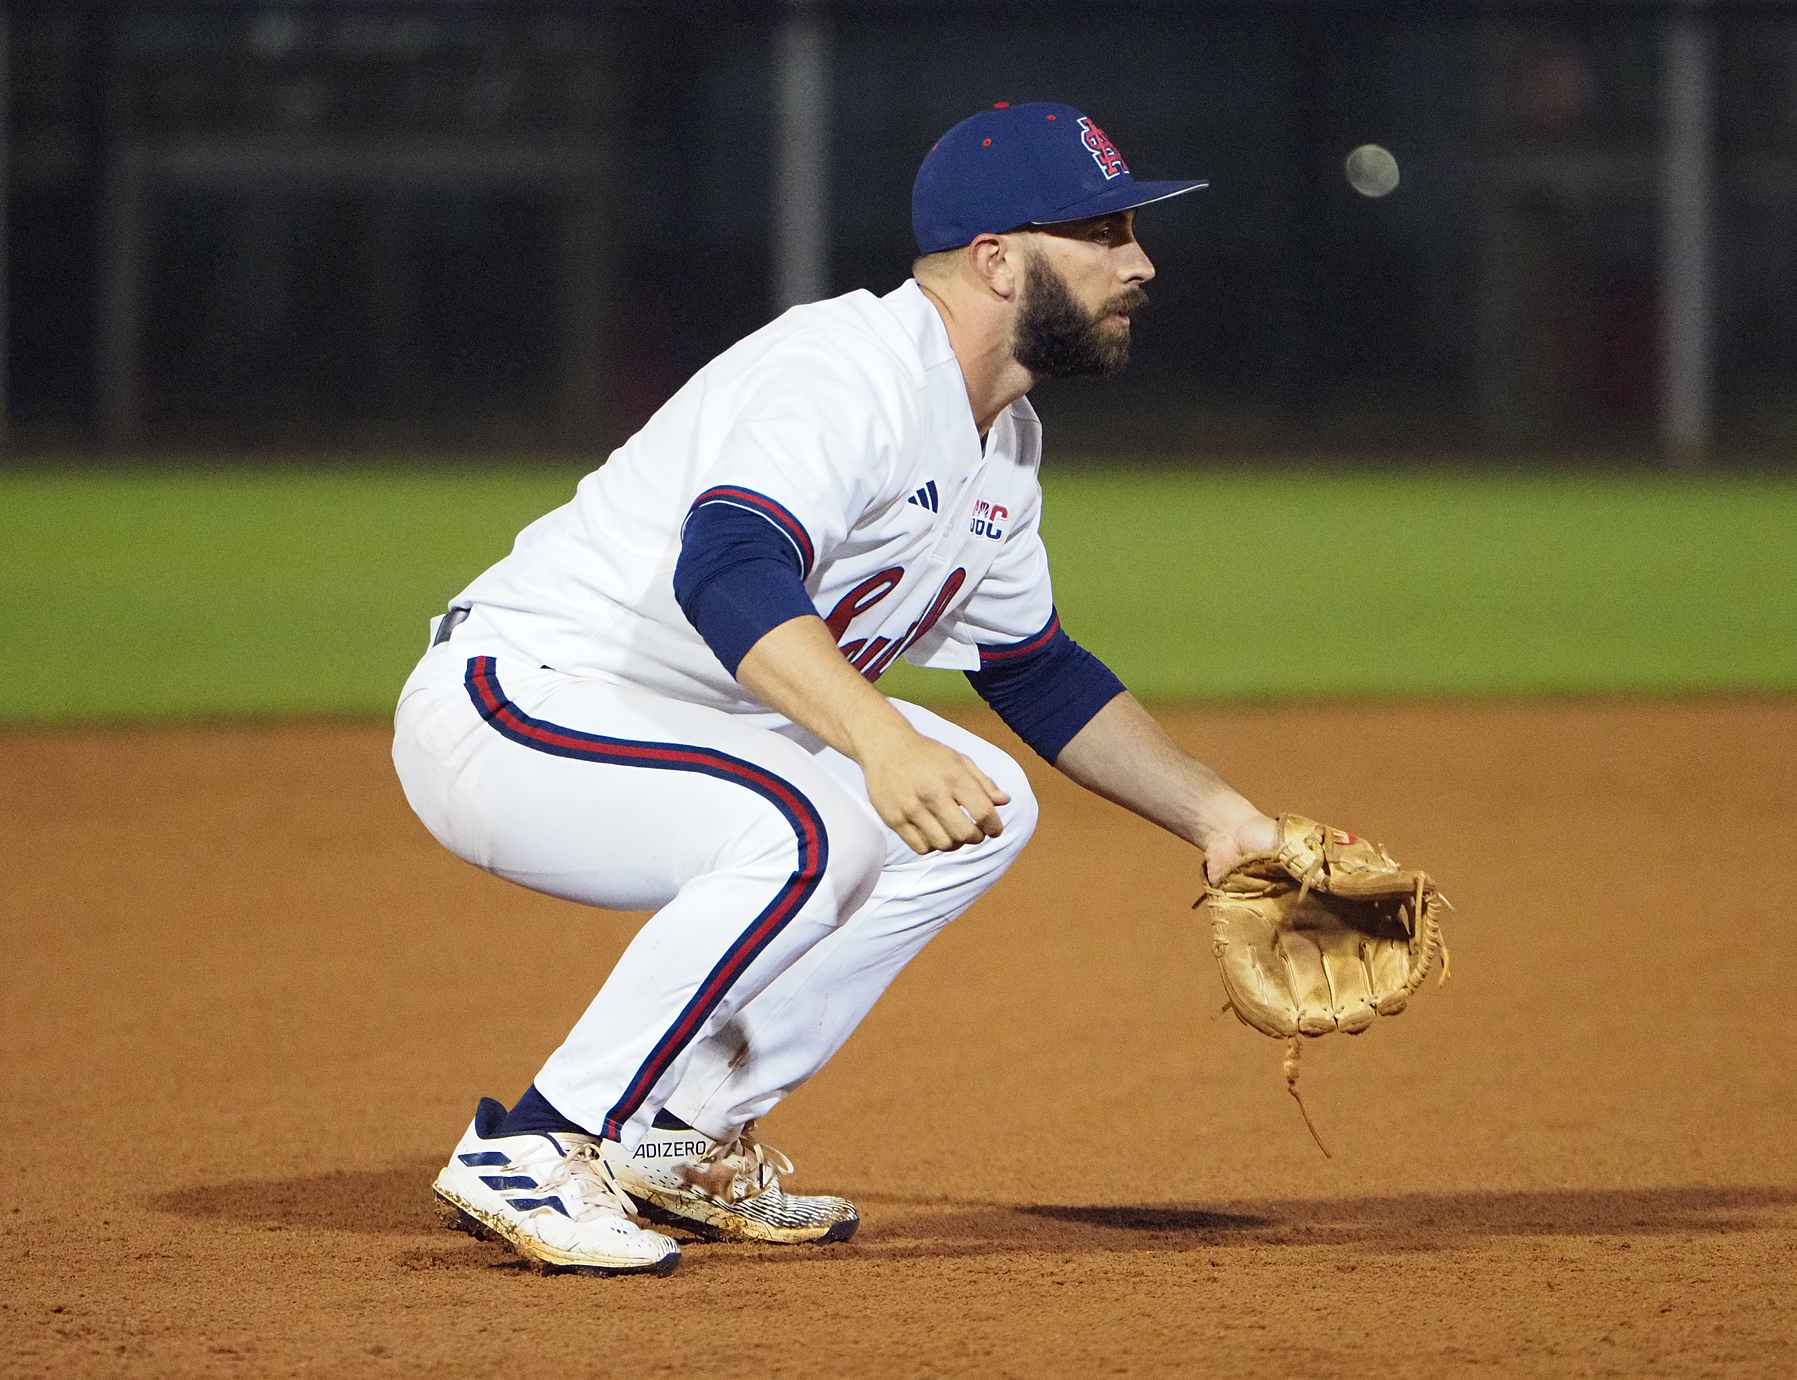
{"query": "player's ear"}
(996, 262)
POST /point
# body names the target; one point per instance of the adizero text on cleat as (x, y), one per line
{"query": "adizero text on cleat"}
(552, 1198)
(680, 1178)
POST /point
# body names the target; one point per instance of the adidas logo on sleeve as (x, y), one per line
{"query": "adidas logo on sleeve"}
(926, 497)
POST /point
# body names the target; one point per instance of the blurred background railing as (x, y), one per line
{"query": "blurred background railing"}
(518, 227)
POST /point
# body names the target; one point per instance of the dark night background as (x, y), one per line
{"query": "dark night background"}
(519, 227)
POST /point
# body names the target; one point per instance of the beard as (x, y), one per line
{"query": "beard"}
(1056, 338)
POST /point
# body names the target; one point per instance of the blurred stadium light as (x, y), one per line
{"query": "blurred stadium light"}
(801, 195)
(484, 225)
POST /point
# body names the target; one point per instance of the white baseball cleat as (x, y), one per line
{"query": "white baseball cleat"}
(681, 1178)
(551, 1198)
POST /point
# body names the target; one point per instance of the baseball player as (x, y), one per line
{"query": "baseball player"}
(664, 699)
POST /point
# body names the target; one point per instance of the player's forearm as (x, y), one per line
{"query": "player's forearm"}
(927, 793)
(797, 670)
(1123, 755)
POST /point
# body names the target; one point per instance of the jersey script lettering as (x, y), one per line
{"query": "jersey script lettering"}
(872, 658)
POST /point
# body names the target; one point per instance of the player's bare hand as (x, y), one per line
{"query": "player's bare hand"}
(1257, 833)
(931, 796)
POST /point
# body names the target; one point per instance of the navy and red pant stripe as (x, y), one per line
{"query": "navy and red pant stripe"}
(482, 682)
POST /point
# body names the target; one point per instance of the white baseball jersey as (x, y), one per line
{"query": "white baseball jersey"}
(847, 424)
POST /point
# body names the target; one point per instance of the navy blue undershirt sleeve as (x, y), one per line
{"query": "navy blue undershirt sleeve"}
(1046, 688)
(738, 578)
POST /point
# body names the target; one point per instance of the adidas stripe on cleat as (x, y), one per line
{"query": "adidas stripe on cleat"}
(552, 1198)
(724, 1189)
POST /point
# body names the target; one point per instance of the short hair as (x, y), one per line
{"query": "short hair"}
(937, 265)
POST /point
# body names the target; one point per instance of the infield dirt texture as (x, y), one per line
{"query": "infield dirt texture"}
(249, 1006)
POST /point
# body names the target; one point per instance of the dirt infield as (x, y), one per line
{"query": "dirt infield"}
(249, 1005)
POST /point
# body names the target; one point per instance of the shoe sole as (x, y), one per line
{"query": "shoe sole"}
(721, 1224)
(459, 1216)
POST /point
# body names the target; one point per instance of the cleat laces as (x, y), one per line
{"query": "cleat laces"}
(583, 1169)
(723, 1167)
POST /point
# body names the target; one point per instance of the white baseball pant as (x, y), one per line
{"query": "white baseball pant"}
(783, 905)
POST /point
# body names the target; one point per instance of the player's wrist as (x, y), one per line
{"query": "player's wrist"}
(878, 730)
(1237, 830)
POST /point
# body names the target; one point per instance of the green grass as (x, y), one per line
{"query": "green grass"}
(269, 592)
(240, 592)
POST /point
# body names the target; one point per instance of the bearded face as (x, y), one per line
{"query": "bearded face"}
(1056, 338)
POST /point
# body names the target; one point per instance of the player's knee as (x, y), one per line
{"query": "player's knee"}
(1020, 815)
(857, 857)
(837, 842)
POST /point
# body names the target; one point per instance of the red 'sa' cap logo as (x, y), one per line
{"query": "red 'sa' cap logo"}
(1104, 152)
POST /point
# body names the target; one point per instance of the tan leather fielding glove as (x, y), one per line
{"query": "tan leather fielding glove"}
(1324, 933)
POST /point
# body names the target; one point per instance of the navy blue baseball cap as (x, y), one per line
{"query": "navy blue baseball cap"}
(1018, 165)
